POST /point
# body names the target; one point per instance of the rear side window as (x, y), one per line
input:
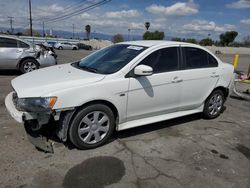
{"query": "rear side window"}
(212, 61)
(8, 43)
(163, 60)
(23, 45)
(198, 58)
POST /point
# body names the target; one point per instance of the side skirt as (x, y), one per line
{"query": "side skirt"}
(155, 119)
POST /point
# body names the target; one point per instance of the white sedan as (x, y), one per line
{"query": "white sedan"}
(65, 46)
(119, 87)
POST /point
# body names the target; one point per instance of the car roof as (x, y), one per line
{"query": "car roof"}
(16, 38)
(150, 43)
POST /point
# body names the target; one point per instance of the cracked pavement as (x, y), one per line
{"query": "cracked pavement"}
(184, 152)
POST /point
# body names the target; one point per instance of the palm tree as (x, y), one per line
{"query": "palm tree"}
(88, 30)
(147, 25)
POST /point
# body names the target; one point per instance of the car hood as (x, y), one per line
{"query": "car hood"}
(44, 82)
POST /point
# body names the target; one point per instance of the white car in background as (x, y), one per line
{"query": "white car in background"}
(65, 46)
(119, 87)
(19, 54)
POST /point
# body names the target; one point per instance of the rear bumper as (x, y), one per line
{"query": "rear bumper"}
(231, 85)
(19, 116)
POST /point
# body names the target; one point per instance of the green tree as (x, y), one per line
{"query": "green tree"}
(157, 35)
(117, 38)
(88, 30)
(228, 37)
(206, 42)
(191, 40)
(176, 39)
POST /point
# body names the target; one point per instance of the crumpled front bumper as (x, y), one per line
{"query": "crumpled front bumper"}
(19, 116)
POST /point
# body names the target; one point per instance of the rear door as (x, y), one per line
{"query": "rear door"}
(9, 53)
(200, 75)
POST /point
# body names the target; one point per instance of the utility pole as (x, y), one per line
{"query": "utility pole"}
(43, 30)
(129, 34)
(73, 31)
(11, 22)
(31, 32)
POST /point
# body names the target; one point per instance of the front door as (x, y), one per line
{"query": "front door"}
(159, 93)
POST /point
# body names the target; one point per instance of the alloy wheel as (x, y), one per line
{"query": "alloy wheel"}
(93, 127)
(215, 104)
(29, 66)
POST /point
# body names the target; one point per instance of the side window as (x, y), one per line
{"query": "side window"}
(163, 60)
(23, 45)
(212, 61)
(8, 43)
(195, 58)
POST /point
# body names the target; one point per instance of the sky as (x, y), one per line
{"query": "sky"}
(177, 18)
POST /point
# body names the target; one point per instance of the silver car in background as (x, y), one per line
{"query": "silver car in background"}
(21, 55)
(65, 46)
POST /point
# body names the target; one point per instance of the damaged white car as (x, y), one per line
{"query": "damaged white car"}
(119, 87)
(19, 54)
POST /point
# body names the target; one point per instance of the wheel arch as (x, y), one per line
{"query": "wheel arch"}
(223, 89)
(66, 117)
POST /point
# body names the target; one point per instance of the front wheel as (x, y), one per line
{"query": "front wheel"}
(214, 104)
(92, 126)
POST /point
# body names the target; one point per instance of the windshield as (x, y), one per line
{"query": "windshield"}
(111, 59)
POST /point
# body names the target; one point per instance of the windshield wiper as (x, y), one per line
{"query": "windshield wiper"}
(90, 69)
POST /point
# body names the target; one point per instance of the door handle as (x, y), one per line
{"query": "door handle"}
(177, 80)
(214, 75)
(18, 51)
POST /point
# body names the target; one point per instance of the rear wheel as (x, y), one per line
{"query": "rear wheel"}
(60, 48)
(214, 104)
(28, 65)
(92, 126)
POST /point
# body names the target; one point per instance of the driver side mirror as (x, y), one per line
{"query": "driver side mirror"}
(143, 70)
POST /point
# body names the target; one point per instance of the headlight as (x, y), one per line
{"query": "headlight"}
(36, 104)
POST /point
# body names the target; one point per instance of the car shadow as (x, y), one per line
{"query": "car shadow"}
(10, 73)
(49, 131)
(157, 126)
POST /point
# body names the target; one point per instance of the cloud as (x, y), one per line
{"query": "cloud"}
(239, 4)
(123, 14)
(245, 21)
(204, 25)
(48, 11)
(177, 9)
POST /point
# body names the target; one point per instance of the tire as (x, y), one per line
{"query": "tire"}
(214, 104)
(74, 48)
(60, 48)
(28, 65)
(92, 134)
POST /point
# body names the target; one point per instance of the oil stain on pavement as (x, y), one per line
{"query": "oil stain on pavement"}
(95, 172)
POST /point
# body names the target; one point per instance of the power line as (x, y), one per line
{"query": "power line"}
(90, 7)
(66, 10)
